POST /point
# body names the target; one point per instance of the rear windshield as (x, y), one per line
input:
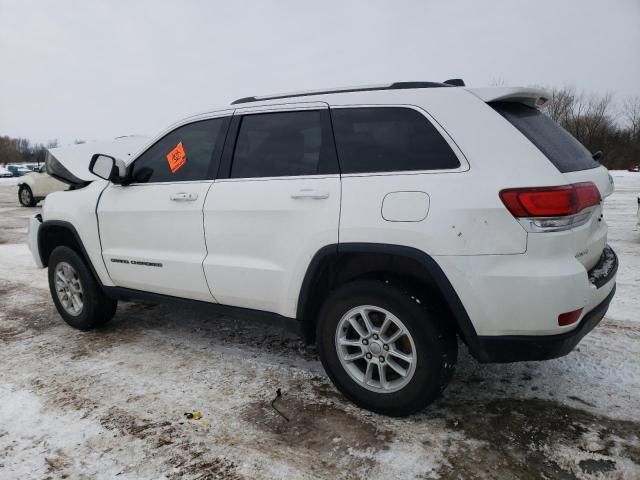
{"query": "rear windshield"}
(559, 146)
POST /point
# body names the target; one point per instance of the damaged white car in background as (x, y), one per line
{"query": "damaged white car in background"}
(70, 165)
(52, 176)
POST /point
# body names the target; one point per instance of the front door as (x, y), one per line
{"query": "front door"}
(278, 205)
(151, 231)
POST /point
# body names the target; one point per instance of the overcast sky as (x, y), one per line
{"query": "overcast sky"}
(93, 70)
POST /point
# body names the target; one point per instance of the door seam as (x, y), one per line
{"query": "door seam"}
(206, 247)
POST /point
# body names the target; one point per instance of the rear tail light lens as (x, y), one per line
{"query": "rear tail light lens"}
(568, 318)
(559, 201)
(588, 195)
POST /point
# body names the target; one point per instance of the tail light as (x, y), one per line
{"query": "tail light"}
(551, 208)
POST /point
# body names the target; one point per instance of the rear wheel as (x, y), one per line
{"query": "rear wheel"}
(25, 195)
(75, 292)
(383, 350)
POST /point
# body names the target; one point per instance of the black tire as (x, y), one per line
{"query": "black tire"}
(435, 345)
(25, 196)
(97, 308)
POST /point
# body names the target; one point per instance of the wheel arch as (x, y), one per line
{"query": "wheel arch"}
(25, 180)
(335, 265)
(55, 233)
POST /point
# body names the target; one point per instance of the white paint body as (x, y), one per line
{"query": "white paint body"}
(249, 242)
(128, 214)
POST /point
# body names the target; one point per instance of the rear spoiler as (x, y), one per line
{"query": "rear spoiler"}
(533, 97)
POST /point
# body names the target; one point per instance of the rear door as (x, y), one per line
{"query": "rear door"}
(152, 231)
(275, 204)
(574, 162)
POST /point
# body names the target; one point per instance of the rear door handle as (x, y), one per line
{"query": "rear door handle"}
(310, 193)
(184, 197)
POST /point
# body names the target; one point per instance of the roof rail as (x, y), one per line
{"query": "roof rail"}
(368, 88)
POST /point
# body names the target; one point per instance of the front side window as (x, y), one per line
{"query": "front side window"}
(389, 139)
(189, 153)
(283, 144)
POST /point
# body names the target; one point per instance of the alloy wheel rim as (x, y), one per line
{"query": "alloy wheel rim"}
(69, 288)
(376, 349)
(26, 197)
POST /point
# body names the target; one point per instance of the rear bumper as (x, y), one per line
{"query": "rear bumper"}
(32, 238)
(519, 348)
(514, 302)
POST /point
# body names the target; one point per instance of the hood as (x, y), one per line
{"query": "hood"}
(71, 164)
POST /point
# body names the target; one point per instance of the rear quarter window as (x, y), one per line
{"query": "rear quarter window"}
(558, 145)
(389, 139)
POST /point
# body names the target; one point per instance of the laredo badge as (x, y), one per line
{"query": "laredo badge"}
(177, 158)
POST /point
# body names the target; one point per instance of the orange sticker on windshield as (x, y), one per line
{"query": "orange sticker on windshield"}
(177, 158)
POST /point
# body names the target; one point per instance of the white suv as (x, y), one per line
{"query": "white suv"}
(382, 222)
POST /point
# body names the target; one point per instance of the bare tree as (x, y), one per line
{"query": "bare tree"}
(8, 151)
(591, 119)
(631, 108)
(562, 104)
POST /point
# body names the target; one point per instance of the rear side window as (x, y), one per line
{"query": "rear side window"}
(558, 145)
(283, 144)
(388, 139)
(188, 153)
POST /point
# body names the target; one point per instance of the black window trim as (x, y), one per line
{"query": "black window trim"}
(217, 151)
(226, 162)
(457, 151)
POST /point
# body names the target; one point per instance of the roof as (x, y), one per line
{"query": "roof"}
(402, 92)
(534, 97)
(455, 82)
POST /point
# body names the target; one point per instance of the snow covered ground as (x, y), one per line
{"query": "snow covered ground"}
(112, 402)
(9, 181)
(624, 235)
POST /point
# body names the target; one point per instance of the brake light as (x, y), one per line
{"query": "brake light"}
(558, 201)
(568, 318)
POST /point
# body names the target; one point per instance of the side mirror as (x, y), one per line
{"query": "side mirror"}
(107, 167)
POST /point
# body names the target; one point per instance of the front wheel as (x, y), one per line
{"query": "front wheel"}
(383, 349)
(25, 195)
(78, 298)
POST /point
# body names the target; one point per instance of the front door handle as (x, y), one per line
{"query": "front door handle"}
(310, 193)
(184, 197)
